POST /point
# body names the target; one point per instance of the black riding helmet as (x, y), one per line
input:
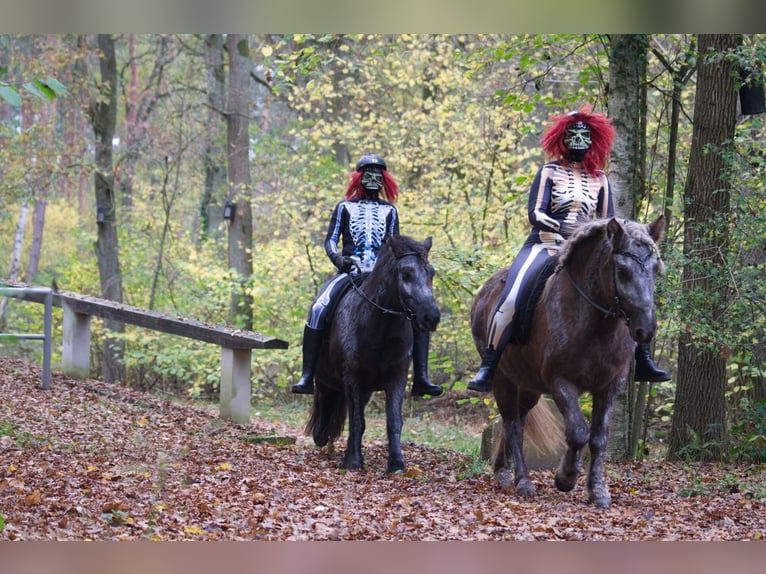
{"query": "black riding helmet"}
(372, 167)
(370, 160)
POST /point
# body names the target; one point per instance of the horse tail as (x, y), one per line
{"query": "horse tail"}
(543, 435)
(328, 416)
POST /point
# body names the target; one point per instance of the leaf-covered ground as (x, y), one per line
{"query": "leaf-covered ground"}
(91, 461)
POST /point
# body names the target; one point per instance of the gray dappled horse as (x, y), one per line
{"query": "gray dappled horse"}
(369, 348)
(596, 306)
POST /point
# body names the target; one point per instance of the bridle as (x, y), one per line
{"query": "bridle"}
(407, 313)
(611, 313)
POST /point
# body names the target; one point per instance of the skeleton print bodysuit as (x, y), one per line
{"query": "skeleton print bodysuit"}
(361, 226)
(562, 196)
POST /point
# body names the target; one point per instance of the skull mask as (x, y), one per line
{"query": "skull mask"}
(372, 179)
(578, 137)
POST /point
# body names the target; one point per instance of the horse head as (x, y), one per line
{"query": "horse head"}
(414, 276)
(636, 263)
(617, 263)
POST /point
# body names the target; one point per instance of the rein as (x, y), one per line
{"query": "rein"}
(407, 313)
(610, 313)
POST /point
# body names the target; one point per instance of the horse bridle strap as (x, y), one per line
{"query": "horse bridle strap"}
(407, 313)
(608, 313)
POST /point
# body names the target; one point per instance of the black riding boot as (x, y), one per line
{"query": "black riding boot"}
(482, 382)
(421, 386)
(646, 369)
(312, 341)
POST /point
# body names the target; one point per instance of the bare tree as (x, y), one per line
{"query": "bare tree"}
(240, 189)
(214, 196)
(103, 114)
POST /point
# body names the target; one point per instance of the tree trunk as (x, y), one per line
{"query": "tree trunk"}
(15, 263)
(699, 415)
(36, 247)
(104, 117)
(238, 148)
(627, 110)
(214, 158)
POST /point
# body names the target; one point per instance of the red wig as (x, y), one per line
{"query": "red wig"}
(355, 190)
(601, 134)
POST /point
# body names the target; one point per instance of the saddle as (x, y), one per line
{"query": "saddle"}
(521, 325)
(342, 290)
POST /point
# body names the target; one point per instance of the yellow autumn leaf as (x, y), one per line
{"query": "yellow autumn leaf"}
(267, 51)
(193, 530)
(223, 466)
(142, 422)
(11, 468)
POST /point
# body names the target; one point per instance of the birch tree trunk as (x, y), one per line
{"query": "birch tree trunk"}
(15, 263)
(627, 110)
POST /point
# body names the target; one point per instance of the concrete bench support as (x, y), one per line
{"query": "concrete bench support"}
(235, 385)
(75, 354)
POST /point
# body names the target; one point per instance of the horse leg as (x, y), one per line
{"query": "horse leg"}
(394, 399)
(576, 434)
(353, 459)
(598, 492)
(514, 416)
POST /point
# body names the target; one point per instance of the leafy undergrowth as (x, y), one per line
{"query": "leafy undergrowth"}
(91, 461)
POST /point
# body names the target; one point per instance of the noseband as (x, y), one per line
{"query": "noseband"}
(611, 313)
(407, 313)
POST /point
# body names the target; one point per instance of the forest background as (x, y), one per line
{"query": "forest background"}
(118, 188)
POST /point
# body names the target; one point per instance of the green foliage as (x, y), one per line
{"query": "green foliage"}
(697, 482)
(47, 90)
(748, 433)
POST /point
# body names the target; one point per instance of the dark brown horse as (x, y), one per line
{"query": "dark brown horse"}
(596, 306)
(369, 348)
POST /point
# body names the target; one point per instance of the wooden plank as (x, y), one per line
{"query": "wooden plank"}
(217, 334)
(175, 325)
(223, 336)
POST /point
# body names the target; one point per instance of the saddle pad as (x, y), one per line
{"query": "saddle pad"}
(521, 326)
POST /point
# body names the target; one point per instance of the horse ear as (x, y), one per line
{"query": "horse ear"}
(614, 231)
(657, 228)
(393, 241)
(427, 243)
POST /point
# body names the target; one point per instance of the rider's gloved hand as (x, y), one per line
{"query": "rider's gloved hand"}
(344, 263)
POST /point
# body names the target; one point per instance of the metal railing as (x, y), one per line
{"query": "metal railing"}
(47, 293)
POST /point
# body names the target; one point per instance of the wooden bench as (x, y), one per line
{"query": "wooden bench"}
(236, 344)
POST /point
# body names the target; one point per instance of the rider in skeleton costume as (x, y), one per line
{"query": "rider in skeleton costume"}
(566, 191)
(361, 222)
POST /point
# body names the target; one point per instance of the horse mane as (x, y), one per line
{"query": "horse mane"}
(397, 245)
(593, 228)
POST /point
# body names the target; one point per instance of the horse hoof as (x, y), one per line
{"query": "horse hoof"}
(600, 498)
(525, 487)
(600, 501)
(564, 482)
(353, 465)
